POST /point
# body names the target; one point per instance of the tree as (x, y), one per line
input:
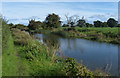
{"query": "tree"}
(118, 25)
(89, 25)
(81, 22)
(71, 20)
(97, 23)
(20, 26)
(104, 24)
(111, 22)
(72, 24)
(33, 25)
(65, 25)
(11, 24)
(52, 21)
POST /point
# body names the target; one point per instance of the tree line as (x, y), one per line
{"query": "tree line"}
(53, 21)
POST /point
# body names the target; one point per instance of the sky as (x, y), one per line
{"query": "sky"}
(60, 0)
(22, 12)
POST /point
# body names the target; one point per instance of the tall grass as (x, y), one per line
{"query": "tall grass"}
(40, 61)
(9, 61)
(102, 34)
(25, 56)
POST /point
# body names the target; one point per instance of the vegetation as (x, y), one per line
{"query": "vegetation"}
(99, 31)
(40, 61)
(9, 59)
(106, 34)
(112, 22)
(81, 23)
(25, 56)
(33, 25)
(52, 21)
(97, 23)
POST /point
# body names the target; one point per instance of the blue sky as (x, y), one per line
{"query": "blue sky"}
(21, 12)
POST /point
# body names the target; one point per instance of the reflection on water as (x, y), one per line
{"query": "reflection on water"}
(93, 54)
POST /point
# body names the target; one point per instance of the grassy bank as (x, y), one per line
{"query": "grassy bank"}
(41, 61)
(9, 59)
(103, 34)
(25, 56)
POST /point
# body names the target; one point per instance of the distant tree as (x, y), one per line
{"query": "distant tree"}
(118, 25)
(72, 24)
(33, 25)
(104, 24)
(89, 25)
(52, 21)
(97, 23)
(81, 22)
(3, 20)
(65, 25)
(20, 26)
(111, 22)
(11, 24)
(71, 20)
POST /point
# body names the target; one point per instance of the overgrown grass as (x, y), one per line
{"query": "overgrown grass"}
(24, 56)
(36, 57)
(40, 62)
(9, 59)
(103, 34)
(12, 64)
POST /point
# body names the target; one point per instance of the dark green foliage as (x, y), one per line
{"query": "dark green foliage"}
(97, 23)
(60, 33)
(89, 25)
(65, 25)
(72, 24)
(111, 22)
(118, 25)
(11, 24)
(52, 21)
(104, 24)
(69, 29)
(72, 68)
(19, 26)
(34, 25)
(3, 21)
(81, 23)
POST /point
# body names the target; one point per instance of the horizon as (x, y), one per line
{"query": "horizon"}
(22, 12)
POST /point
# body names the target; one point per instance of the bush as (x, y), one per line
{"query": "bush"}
(72, 68)
(60, 33)
(20, 26)
(21, 37)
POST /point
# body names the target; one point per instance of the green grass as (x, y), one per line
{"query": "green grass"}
(9, 59)
(38, 60)
(12, 64)
(24, 56)
(0, 48)
(101, 34)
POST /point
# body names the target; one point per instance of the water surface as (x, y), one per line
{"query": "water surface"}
(94, 55)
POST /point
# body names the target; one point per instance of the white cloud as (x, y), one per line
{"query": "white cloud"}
(102, 17)
(41, 10)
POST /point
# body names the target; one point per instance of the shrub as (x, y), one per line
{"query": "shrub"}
(21, 37)
(72, 68)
